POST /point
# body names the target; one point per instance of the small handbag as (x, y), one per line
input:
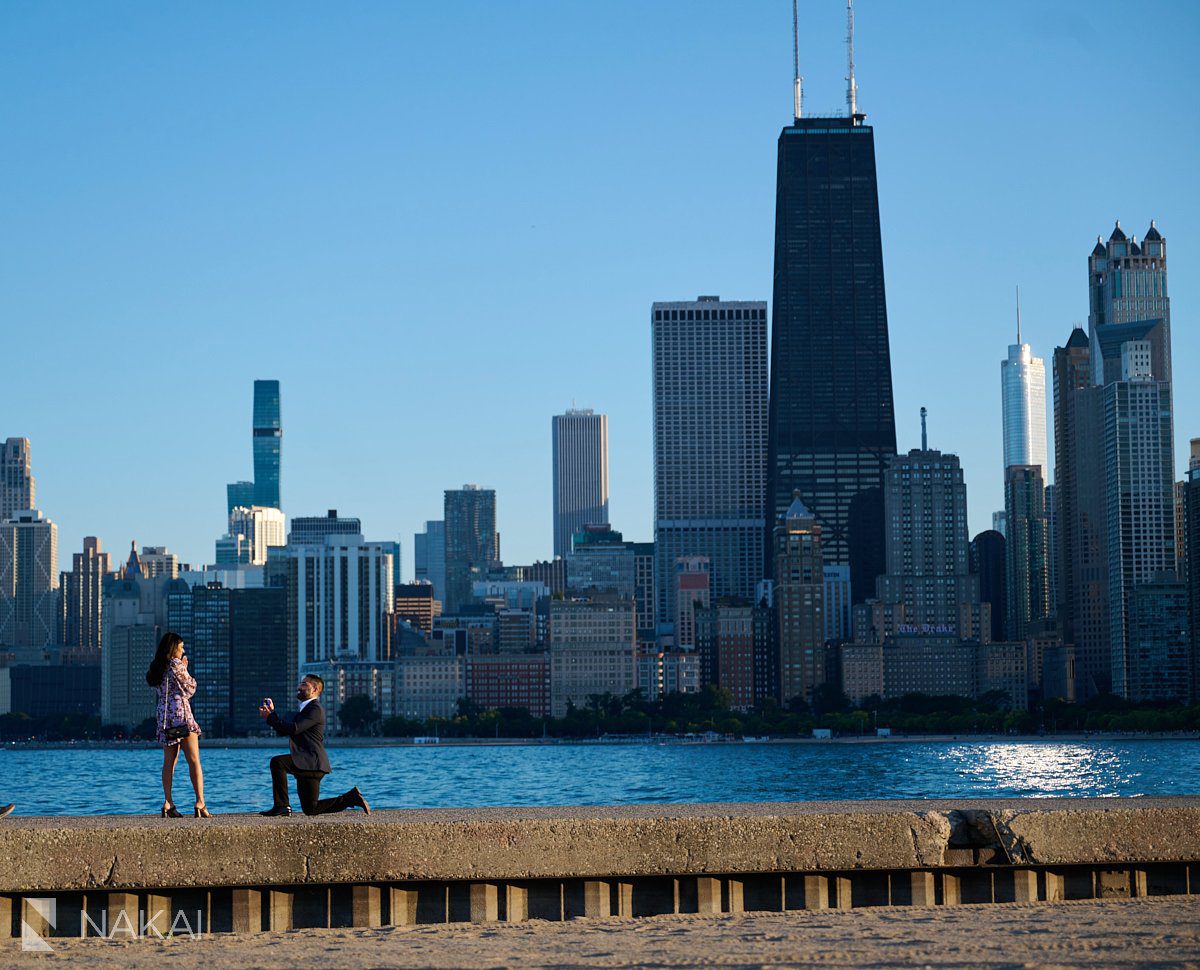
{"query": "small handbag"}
(177, 732)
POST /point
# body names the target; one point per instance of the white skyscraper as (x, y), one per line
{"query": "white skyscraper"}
(710, 437)
(262, 527)
(580, 447)
(1023, 391)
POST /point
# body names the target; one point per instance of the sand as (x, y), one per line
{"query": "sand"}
(1154, 932)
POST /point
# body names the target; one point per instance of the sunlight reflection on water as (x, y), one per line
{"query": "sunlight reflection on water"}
(82, 781)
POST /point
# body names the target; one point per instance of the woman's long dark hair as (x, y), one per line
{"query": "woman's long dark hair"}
(162, 656)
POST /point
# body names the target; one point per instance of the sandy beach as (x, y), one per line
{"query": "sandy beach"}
(1153, 932)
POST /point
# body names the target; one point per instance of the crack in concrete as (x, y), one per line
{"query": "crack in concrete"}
(107, 881)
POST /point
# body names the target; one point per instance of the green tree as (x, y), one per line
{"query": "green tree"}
(357, 715)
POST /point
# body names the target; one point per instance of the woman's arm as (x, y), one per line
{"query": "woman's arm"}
(186, 682)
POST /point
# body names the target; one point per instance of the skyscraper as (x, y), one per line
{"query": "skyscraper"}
(429, 557)
(579, 441)
(832, 426)
(988, 560)
(1026, 576)
(83, 595)
(1023, 395)
(28, 580)
(267, 441)
(799, 603)
(710, 422)
(17, 484)
(472, 543)
(1078, 451)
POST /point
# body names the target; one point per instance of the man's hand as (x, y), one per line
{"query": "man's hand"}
(266, 708)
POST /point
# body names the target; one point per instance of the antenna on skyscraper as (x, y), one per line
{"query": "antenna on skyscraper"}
(851, 87)
(924, 436)
(1018, 316)
(799, 94)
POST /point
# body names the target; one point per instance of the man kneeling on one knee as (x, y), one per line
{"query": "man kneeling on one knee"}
(305, 731)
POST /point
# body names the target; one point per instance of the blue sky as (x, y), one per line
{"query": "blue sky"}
(438, 224)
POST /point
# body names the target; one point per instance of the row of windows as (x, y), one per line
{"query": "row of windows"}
(710, 315)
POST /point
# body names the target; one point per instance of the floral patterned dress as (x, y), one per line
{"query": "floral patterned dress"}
(173, 707)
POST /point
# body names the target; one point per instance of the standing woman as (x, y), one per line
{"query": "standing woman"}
(176, 728)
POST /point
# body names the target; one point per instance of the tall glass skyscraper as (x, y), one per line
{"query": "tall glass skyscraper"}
(1023, 396)
(579, 441)
(268, 437)
(832, 425)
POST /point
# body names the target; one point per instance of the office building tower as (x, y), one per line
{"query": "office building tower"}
(28, 581)
(1000, 523)
(83, 597)
(710, 422)
(838, 605)
(200, 615)
(312, 530)
(1158, 659)
(1023, 399)
(17, 484)
(989, 561)
(1128, 300)
(472, 542)
(643, 579)
(579, 448)
(258, 646)
(1138, 473)
(593, 650)
(340, 594)
(415, 604)
(1192, 538)
(429, 557)
(731, 636)
(155, 561)
(1080, 515)
(267, 441)
(1026, 576)
(832, 425)
(928, 568)
(600, 559)
(693, 591)
(260, 527)
(1051, 506)
(799, 598)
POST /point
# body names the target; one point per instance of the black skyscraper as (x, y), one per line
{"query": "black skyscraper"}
(832, 424)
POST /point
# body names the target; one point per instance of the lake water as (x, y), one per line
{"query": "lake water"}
(84, 781)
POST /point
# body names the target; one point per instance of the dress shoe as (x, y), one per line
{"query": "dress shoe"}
(355, 798)
(276, 812)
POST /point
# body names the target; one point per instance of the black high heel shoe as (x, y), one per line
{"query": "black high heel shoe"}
(170, 811)
(202, 811)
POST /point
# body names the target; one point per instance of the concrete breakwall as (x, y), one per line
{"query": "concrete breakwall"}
(244, 873)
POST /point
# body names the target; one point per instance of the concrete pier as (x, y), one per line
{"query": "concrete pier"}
(246, 874)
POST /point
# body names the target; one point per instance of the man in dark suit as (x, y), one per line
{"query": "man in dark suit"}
(305, 732)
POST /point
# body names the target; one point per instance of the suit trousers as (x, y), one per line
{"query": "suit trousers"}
(308, 787)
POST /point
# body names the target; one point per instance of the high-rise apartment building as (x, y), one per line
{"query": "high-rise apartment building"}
(710, 423)
(799, 598)
(601, 559)
(1026, 548)
(928, 561)
(83, 597)
(1192, 533)
(429, 557)
(258, 527)
(267, 442)
(832, 425)
(593, 650)
(312, 529)
(17, 484)
(472, 542)
(416, 605)
(579, 448)
(28, 580)
(731, 637)
(693, 591)
(1158, 658)
(1080, 515)
(1127, 285)
(1023, 398)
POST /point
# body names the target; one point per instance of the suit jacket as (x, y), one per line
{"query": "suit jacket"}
(305, 732)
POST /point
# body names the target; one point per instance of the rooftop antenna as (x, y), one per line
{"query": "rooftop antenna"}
(924, 436)
(799, 81)
(1018, 316)
(851, 87)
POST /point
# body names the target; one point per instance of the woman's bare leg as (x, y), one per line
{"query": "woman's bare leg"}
(170, 755)
(191, 751)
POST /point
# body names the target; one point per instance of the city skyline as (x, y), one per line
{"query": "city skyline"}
(172, 337)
